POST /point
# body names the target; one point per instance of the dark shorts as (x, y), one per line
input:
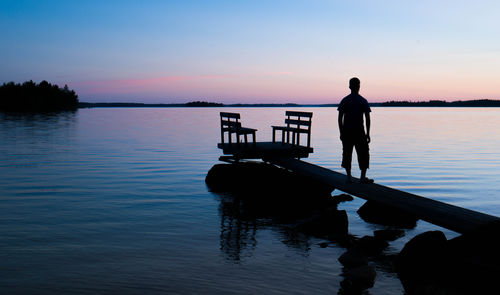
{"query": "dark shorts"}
(355, 139)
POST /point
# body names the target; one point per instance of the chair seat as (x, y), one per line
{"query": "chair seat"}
(243, 130)
(291, 129)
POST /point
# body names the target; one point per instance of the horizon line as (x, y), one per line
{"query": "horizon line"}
(461, 103)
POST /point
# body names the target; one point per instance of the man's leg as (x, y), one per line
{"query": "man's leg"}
(363, 152)
(347, 147)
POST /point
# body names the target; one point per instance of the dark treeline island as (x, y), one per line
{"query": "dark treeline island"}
(32, 97)
(430, 103)
(46, 97)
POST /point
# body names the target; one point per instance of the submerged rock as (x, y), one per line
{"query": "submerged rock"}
(378, 213)
(326, 223)
(388, 234)
(358, 279)
(323, 244)
(371, 245)
(353, 257)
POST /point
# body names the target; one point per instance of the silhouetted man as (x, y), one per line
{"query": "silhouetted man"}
(352, 108)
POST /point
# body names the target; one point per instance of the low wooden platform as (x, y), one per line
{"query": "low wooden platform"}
(452, 217)
(260, 150)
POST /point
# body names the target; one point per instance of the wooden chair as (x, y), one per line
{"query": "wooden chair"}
(229, 122)
(296, 123)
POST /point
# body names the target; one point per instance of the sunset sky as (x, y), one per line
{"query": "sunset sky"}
(258, 51)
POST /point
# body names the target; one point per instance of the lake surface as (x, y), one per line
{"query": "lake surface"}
(114, 200)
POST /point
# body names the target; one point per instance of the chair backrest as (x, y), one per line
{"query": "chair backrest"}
(300, 120)
(228, 123)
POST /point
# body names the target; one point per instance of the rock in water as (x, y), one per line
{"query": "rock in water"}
(421, 260)
(342, 198)
(473, 259)
(358, 279)
(258, 178)
(330, 221)
(378, 213)
(265, 190)
(371, 245)
(353, 257)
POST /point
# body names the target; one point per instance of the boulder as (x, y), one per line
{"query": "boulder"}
(420, 261)
(467, 264)
(342, 198)
(358, 279)
(268, 191)
(378, 213)
(258, 177)
(473, 259)
(353, 257)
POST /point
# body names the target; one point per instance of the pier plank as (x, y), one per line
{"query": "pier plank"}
(449, 216)
(261, 150)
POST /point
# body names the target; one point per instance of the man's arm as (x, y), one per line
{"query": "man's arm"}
(341, 123)
(368, 123)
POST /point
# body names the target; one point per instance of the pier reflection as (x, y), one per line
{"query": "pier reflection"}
(240, 222)
(237, 231)
(254, 196)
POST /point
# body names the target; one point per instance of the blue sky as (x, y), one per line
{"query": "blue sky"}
(254, 51)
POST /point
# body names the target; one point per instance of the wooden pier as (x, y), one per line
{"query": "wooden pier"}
(261, 150)
(452, 217)
(286, 154)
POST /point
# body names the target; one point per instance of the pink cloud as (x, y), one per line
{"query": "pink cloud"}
(127, 85)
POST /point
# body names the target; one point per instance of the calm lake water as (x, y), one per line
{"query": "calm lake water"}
(114, 200)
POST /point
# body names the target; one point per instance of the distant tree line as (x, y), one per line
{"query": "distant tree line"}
(442, 103)
(32, 97)
(203, 104)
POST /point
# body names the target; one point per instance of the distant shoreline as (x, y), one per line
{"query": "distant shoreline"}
(431, 103)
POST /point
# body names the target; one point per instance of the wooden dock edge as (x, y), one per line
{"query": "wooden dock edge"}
(448, 216)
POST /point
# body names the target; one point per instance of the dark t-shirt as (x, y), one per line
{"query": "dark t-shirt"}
(354, 106)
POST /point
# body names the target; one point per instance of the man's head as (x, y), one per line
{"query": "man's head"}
(354, 85)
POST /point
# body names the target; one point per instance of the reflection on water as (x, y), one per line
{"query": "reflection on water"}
(37, 124)
(114, 200)
(237, 230)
